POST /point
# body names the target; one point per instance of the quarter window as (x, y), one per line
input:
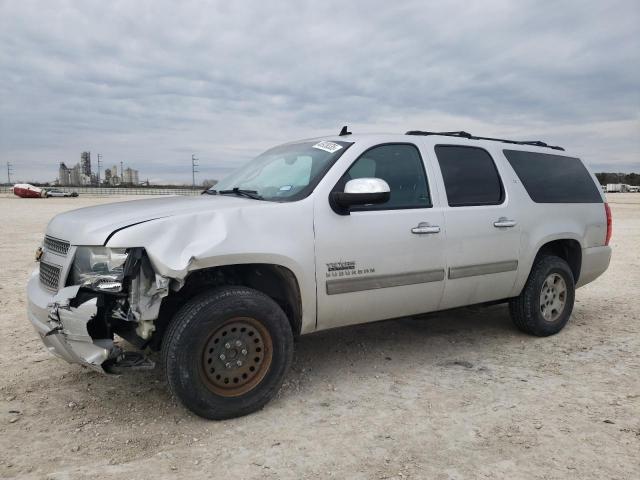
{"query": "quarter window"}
(470, 176)
(400, 165)
(552, 178)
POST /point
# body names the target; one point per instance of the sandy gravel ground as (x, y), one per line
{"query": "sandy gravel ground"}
(456, 395)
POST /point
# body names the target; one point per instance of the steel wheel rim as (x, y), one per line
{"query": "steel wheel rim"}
(553, 297)
(236, 356)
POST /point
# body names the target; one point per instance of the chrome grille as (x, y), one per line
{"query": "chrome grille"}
(49, 275)
(54, 245)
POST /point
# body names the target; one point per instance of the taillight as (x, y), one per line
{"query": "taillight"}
(609, 223)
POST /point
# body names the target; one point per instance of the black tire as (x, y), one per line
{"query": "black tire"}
(190, 333)
(526, 309)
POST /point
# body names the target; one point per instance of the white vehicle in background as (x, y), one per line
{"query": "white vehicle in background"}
(617, 188)
(54, 192)
(311, 235)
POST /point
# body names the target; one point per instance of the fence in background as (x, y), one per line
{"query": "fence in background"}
(106, 191)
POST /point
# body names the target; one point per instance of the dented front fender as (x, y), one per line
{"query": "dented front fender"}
(254, 232)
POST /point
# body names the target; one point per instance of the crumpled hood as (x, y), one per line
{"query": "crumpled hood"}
(93, 225)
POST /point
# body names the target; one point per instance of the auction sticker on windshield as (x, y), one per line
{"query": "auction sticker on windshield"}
(328, 146)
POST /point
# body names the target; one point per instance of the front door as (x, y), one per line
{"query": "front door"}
(381, 261)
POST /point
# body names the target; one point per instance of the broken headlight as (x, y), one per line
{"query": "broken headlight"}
(99, 268)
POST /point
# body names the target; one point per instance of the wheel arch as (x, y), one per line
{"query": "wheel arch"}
(276, 281)
(564, 245)
(569, 249)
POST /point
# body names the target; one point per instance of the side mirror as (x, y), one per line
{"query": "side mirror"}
(360, 191)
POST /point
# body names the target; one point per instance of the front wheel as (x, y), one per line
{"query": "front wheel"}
(546, 302)
(226, 352)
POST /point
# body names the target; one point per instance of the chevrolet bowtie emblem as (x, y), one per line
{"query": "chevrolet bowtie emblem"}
(39, 253)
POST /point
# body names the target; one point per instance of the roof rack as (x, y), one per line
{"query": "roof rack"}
(534, 143)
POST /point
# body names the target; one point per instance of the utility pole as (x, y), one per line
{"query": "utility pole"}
(9, 170)
(194, 164)
(99, 164)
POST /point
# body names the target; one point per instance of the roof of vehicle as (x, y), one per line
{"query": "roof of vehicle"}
(454, 137)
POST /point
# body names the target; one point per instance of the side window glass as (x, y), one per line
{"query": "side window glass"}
(569, 183)
(363, 168)
(470, 176)
(399, 165)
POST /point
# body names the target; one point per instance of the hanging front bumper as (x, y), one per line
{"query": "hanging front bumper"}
(63, 328)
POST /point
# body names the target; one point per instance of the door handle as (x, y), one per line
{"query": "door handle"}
(425, 228)
(504, 222)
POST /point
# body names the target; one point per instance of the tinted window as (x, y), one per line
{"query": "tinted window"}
(401, 167)
(552, 178)
(470, 176)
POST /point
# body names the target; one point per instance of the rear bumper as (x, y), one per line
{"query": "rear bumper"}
(62, 328)
(595, 261)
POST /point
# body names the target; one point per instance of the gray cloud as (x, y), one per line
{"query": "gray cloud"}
(150, 82)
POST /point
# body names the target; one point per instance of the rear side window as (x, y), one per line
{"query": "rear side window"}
(470, 176)
(552, 178)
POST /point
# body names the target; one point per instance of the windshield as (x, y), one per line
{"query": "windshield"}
(285, 173)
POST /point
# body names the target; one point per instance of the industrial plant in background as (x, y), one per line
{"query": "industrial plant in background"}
(81, 174)
(128, 176)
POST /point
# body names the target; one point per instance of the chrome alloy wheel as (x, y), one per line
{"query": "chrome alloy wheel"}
(553, 297)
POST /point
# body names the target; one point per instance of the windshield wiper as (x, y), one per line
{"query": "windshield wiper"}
(239, 191)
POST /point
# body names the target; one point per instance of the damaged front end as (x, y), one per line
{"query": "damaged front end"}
(108, 292)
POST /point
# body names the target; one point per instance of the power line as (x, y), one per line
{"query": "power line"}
(9, 171)
(194, 170)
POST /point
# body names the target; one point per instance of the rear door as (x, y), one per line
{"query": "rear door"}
(483, 233)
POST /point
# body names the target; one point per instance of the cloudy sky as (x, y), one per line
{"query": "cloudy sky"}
(150, 82)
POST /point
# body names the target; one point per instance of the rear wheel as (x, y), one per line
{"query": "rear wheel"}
(226, 352)
(546, 302)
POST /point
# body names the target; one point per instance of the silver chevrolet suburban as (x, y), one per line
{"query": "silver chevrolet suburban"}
(311, 235)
